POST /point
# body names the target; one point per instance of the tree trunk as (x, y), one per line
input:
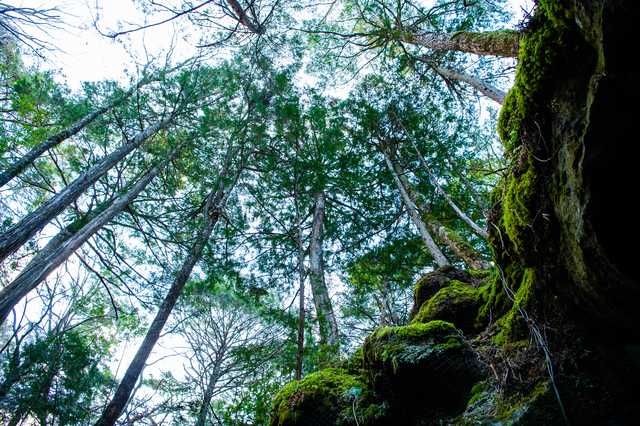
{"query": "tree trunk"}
(300, 352)
(206, 398)
(17, 167)
(321, 299)
(121, 397)
(433, 248)
(384, 303)
(460, 213)
(479, 84)
(213, 209)
(504, 43)
(20, 233)
(242, 17)
(67, 242)
(472, 257)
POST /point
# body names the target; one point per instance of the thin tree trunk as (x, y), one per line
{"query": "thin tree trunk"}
(213, 209)
(242, 17)
(17, 167)
(321, 299)
(384, 305)
(474, 194)
(68, 242)
(479, 84)
(472, 257)
(433, 248)
(503, 43)
(460, 213)
(208, 393)
(20, 233)
(300, 352)
(121, 397)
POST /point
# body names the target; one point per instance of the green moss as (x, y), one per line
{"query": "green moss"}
(516, 217)
(411, 343)
(476, 391)
(456, 293)
(414, 331)
(486, 276)
(327, 385)
(513, 325)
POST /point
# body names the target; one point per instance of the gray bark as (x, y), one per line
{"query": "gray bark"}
(20, 233)
(503, 43)
(39, 268)
(17, 167)
(208, 393)
(321, 299)
(384, 304)
(479, 84)
(472, 257)
(433, 248)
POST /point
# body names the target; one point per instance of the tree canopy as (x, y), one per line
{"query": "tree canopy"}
(245, 216)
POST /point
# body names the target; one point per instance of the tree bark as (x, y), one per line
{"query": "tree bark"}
(300, 352)
(384, 303)
(17, 167)
(20, 233)
(433, 248)
(479, 84)
(503, 43)
(460, 213)
(242, 17)
(321, 299)
(472, 257)
(206, 398)
(67, 242)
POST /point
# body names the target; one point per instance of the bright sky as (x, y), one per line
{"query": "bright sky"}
(85, 55)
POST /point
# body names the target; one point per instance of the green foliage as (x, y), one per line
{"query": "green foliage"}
(57, 377)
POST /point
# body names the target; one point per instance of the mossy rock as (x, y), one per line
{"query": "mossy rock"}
(434, 281)
(424, 371)
(324, 397)
(458, 304)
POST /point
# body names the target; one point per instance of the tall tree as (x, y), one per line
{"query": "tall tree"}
(324, 307)
(69, 240)
(19, 165)
(16, 236)
(214, 205)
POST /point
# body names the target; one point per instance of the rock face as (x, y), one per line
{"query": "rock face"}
(424, 372)
(419, 374)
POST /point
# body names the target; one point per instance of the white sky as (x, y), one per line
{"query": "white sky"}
(85, 55)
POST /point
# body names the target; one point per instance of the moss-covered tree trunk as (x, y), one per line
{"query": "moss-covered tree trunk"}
(567, 127)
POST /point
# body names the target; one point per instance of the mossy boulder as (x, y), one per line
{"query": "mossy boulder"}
(327, 397)
(458, 304)
(433, 282)
(425, 372)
